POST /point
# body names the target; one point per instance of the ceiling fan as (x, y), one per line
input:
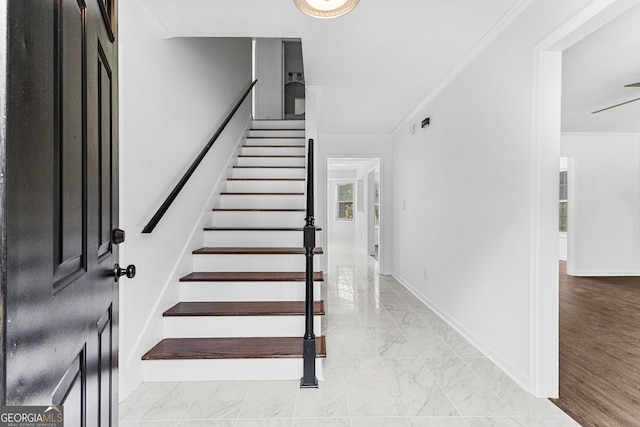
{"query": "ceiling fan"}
(622, 103)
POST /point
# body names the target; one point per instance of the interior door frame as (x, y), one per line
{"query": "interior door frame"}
(543, 218)
(325, 192)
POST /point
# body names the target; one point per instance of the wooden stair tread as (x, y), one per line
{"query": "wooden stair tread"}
(257, 210)
(232, 348)
(278, 156)
(269, 167)
(225, 193)
(273, 146)
(257, 229)
(250, 276)
(276, 130)
(243, 308)
(265, 179)
(258, 250)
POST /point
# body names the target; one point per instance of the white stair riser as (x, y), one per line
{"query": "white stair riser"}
(252, 262)
(251, 186)
(272, 201)
(258, 219)
(272, 151)
(235, 238)
(277, 133)
(277, 124)
(271, 161)
(268, 173)
(237, 326)
(275, 141)
(225, 369)
(246, 291)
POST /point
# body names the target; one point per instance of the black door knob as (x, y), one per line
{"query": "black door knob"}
(130, 271)
(117, 236)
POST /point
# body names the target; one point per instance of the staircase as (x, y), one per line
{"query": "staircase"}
(241, 310)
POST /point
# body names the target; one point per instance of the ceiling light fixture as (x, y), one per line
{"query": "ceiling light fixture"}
(326, 9)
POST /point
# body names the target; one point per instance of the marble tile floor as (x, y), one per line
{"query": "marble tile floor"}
(391, 362)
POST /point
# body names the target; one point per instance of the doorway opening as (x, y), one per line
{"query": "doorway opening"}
(353, 203)
(552, 115)
(293, 87)
(600, 142)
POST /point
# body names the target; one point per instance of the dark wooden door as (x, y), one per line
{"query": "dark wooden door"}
(59, 297)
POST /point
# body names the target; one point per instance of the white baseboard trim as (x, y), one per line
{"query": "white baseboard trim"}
(521, 378)
(606, 273)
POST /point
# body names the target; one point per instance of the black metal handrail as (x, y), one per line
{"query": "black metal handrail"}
(309, 379)
(176, 190)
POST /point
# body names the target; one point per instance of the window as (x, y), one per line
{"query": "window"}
(344, 193)
(563, 201)
(376, 203)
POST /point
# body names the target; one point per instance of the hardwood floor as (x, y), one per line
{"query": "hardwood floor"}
(600, 349)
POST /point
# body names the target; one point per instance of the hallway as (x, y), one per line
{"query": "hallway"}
(391, 362)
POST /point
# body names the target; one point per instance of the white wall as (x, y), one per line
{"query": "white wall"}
(604, 237)
(353, 146)
(269, 74)
(174, 94)
(461, 195)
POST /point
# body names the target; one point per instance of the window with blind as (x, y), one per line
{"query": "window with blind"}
(344, 193)
(563, 201)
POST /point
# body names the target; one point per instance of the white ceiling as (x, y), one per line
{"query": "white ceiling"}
(384, 58)
(381, 60)
(350, 164)
(595, 71)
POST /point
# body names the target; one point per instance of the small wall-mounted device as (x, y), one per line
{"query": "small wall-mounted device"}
(426, 122)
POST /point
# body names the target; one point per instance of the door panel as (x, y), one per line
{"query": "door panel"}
(70, 391)
(59, 303)
(105, 370)
(105, 150)
(69, 141)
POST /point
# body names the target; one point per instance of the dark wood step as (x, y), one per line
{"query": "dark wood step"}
(269, 167)
(276, 130)
(257, 229)
(254, 251)
(273, 146)
(225, 193)
(243, 308)
(250, 276)
(256, 210)
(265, 179)
(232, 348)
(272, 156)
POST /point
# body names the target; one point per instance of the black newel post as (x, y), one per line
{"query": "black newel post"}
(309, 379)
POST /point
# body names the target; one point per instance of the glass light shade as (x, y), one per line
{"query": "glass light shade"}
(326, 9)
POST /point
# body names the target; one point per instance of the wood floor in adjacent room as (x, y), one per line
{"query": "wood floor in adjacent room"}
(600, 349)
